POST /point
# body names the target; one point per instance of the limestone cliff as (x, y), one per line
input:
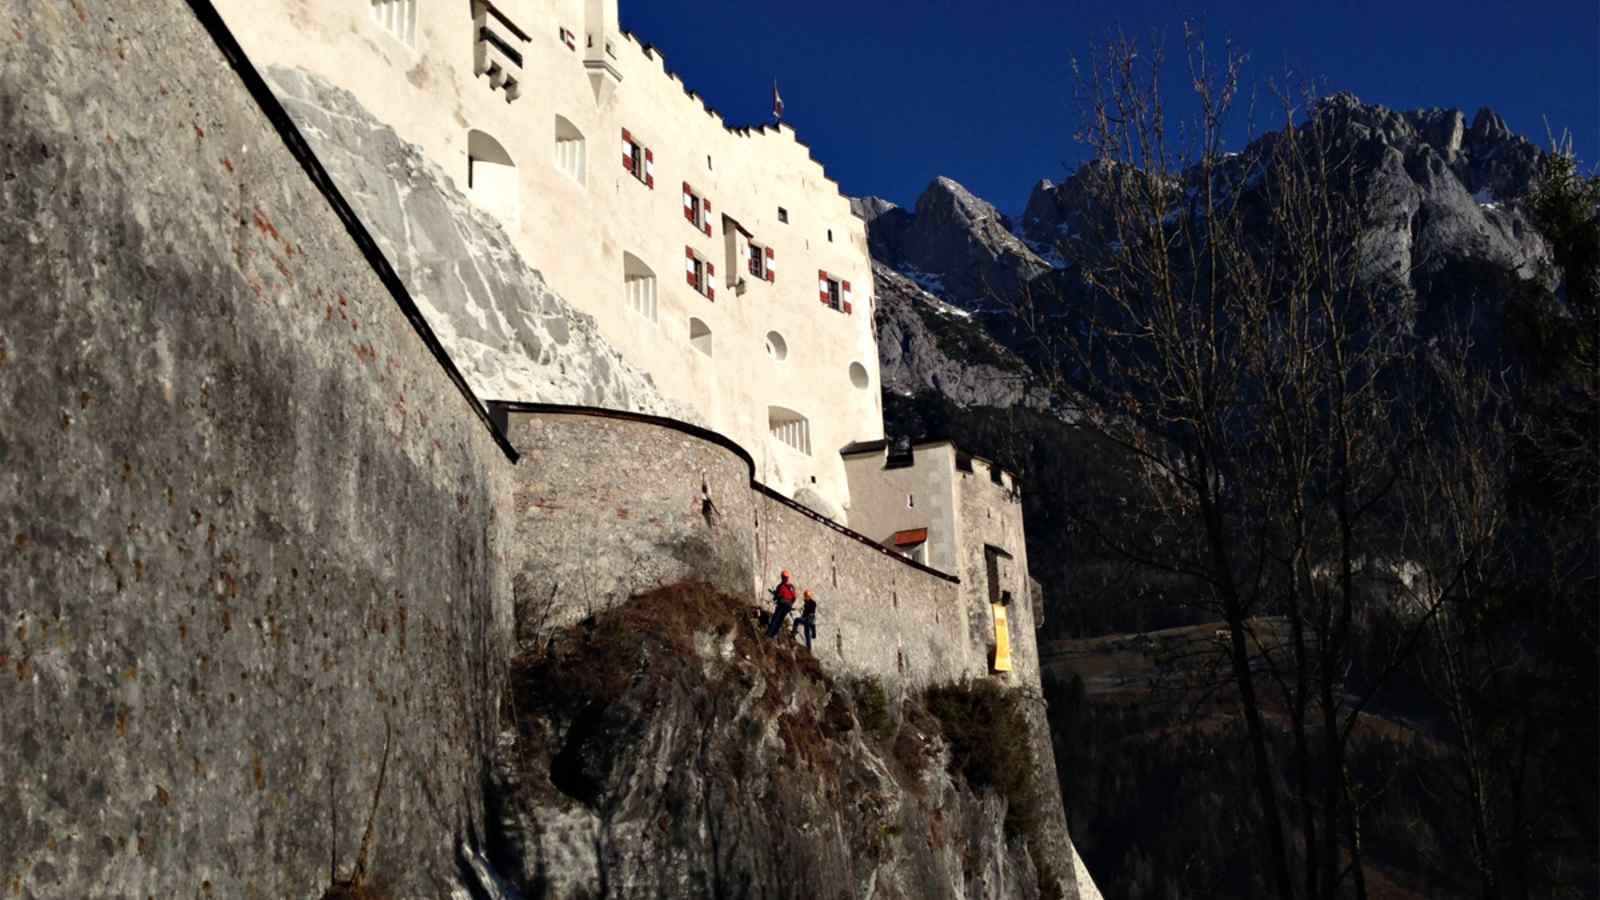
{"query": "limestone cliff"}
(669, 749)
(925, 343)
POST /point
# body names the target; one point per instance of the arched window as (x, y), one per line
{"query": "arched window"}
(700, 335)
(858, 376)
(790, 427)
(777, 347)
(491, 177)
(639, 286)
(569, 149)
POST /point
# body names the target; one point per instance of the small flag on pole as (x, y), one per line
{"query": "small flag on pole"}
(777, 102)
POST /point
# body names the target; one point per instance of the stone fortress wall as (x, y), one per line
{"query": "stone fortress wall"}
(582, 222)
(608, 505)
(968, 512)
(546, 158)
(257, 519)
(251, 516)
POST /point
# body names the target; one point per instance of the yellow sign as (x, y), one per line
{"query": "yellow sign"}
(1002, 640)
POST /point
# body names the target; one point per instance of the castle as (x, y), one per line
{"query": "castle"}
(260, 528)
(701, 248)
(608, 172)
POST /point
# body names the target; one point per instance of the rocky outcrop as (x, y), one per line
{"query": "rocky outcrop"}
(868, 209)
(668, 749)
(1442, 193)
(1446, 200)
(927, 344)
(509, 333)
(955, 243)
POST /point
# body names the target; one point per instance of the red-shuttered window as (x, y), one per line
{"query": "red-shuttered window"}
(762, 262)
(701, 274)
(696, 209)
(834, 292)
(638, 159)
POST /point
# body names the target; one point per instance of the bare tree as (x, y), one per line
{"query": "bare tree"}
(1235, 336)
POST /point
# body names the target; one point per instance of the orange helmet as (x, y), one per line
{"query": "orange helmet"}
(785, 574)
(807, 594)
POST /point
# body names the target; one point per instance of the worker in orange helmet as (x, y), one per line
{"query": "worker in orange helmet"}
(806, 624)
(783, 601)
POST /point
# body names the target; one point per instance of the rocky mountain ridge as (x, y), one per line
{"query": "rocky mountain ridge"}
(1444, 194)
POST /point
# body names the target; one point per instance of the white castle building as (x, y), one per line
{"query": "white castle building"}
(720, 259)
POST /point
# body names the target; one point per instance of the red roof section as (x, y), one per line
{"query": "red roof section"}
(910, 537)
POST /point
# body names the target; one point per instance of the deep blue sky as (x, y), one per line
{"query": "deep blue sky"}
(890, 94)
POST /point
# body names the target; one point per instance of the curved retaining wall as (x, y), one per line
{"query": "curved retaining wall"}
(608, 504)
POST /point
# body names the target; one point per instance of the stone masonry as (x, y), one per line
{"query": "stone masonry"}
(261, 536)
(609, 505)
(250, 522)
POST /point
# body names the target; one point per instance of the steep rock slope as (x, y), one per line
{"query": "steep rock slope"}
(509, 333)
(927, 344)
(668, 749)
(954, 243)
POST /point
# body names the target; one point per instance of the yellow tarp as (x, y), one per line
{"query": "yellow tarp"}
(1002, 640)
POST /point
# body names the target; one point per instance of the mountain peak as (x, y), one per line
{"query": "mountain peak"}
(869, 208)
(1488, 126)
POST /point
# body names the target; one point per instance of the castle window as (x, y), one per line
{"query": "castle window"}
(790, 428)
(638, 159)
(783, 215)
(398, 17)
(830, 235)
(491, 176)
(858, 376)
(701, 273)
(700, 336)
(911, 501)
(835, 292)
(696, 209)
(639, 286)
(777, 347)
(569, 149)
(762, 262)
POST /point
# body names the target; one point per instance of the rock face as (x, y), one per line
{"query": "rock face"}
(1443, 194)
(1446, 197)
(1059, 213)
(671, 750)
(868, 209)
(927, 344)
(251, 521)
(955, 243)
(511, 336)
